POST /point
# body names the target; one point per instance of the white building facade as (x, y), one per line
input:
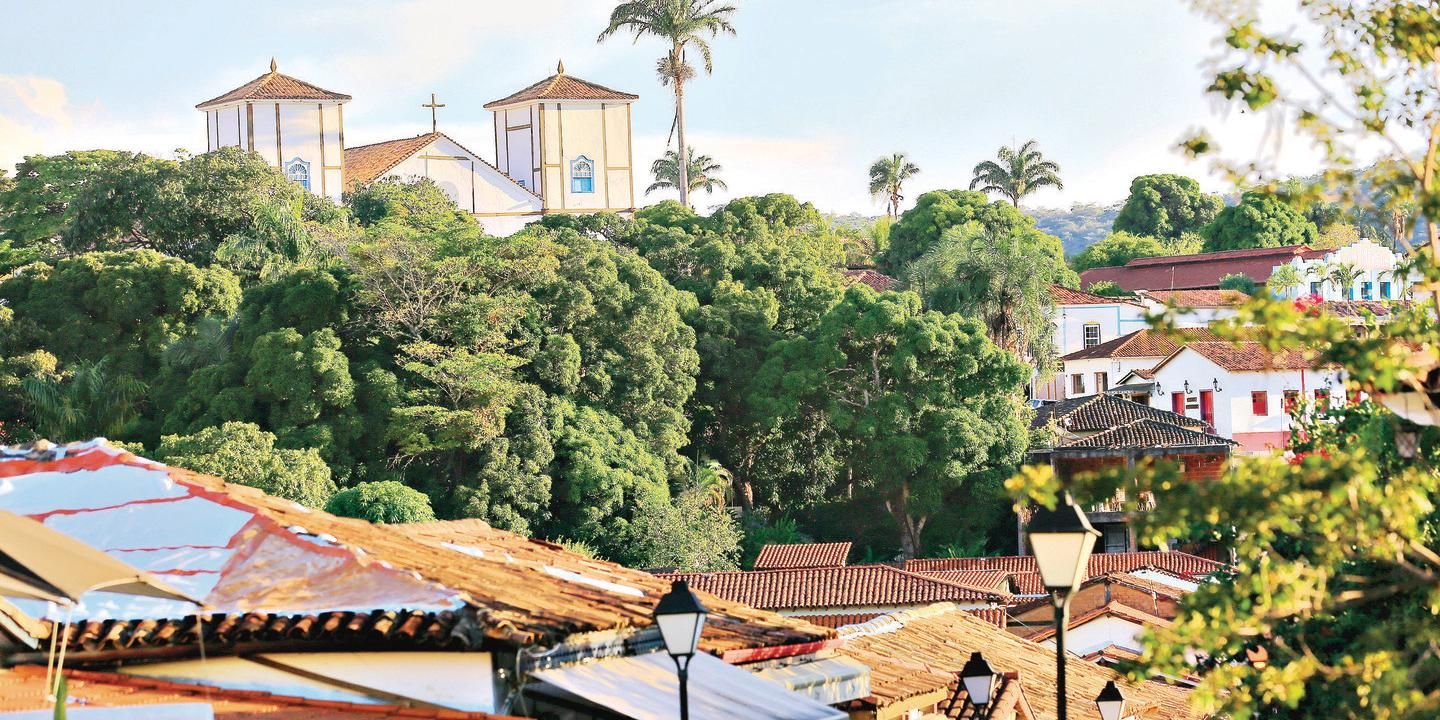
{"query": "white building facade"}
(1378, 275)
(1083, 320)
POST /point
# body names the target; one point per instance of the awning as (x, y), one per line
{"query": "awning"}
(1143, 388)
(830, 681)
(645, 687)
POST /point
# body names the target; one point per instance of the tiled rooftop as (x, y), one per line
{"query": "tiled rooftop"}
(1183, 564)
(1149, 433)
(802, 555)
(273, 85)
(1097, 413)
(1199, 271)
(1250, 356)
(23, 689)
(518, 590)
(561, 87)
(1197, 298)
(916, 653)
(1070, 296)
(835, 587)
(874, 279)
(1143, 343)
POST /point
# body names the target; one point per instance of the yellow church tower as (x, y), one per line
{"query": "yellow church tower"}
(296, 126)
(569, 141)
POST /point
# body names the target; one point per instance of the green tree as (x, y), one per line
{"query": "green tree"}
(925, 406)
(887, 179)
(1239, 281)
(701, 172)
(1166, 206)
(243, 453)
(1283, 279)
(84, 402)
(1019, 172)
(1118, 248)
(921, 227)
(125, 306)
(1003, 280)
(417, 204)
(386, 502)
(1108, 288)
(690, 534)
(1259, 221)
(683, 24)
(1344, 276)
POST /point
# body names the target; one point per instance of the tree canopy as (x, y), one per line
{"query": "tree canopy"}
(385, 502)
(921, 227)
(243, 453)
(1166, 206)
(1259, 221)
(1118, 248)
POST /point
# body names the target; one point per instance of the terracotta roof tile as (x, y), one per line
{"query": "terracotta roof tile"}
(837, 620)
(273, 86)
(1070, 296)
(1143, 343)
(1361, 309)
(1183, 564)
(561, 87)
(1149, 433)
(364, 163)
(1111, 609)
(1097, 413)
(1249, 356)
(834, 587)
(916, 653)
(995, 579)
(805, 555)
(1197, 298)
(874, 279)
(23, 689)
(520, 590)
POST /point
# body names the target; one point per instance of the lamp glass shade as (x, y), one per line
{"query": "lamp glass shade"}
(1062, 540)
(1111, 702)
(978, 679)
(681, 618)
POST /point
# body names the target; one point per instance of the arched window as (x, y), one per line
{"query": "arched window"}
(298, 171)
(582, 175)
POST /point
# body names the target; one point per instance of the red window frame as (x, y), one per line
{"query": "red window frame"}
(1292, 400)
(1259, 403)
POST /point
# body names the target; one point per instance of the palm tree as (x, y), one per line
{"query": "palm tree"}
(700, 173)
(888, 176)
(88, 403)
(1021, 171)
(1283, 280)
(1345, 275)
(682, 23)
(1320, 271)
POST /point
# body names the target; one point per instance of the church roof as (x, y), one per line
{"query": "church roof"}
(366, 163)
(273, 85)
(562, 87)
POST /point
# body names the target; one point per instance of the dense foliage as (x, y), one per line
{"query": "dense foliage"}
(1166, 206)
(1118, 248)
(922, 226)
(1260, 220)
(387, 501)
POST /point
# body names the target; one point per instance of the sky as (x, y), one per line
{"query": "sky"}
(802, 99)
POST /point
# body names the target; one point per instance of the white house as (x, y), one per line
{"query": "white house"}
(295, 126)
(1083, 320)
(1240, 389)
(1377, 279)
(1098, 369)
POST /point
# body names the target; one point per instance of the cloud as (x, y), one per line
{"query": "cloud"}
(38, 117)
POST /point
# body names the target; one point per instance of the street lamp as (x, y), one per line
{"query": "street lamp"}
(681, 618)
(978, 679)
(1062, 540)
(1111, 702)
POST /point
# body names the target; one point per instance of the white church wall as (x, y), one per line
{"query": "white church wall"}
(582, 136)
(300, 138)
(499, 204)
(518, 145)
(618, 153)
(264, 114)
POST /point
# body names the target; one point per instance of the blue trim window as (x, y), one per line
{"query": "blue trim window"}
(1366, 290)
(582, 175)
(1385, 289)
(298, 171)
(1315, 288)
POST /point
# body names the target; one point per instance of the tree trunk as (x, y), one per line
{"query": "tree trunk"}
(683, 156)
(910, 528)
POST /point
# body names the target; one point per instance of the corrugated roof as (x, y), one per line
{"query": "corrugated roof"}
(802, 555)
(1097, 413)
(834, 587)
(244, 552)
(1183, 564)
(23, 689)
(561, 87)
(1201, 270)
(917, 653)
(273, 85)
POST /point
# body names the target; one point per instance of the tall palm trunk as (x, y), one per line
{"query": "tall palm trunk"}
(678, 61)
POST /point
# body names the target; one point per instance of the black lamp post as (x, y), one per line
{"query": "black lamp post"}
(681, 618)
(978, 680)
(1062, 540)
(1111, 702)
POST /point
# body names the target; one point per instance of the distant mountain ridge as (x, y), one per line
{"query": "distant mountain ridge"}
(1083, 225)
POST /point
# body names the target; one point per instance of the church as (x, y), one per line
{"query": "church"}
(562, 145)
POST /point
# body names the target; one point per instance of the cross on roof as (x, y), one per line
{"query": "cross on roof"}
(433, 107)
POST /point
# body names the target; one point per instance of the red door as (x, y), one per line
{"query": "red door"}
(1177, 402)
(1207, 408)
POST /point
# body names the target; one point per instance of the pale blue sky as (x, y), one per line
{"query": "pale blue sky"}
(808, 94)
